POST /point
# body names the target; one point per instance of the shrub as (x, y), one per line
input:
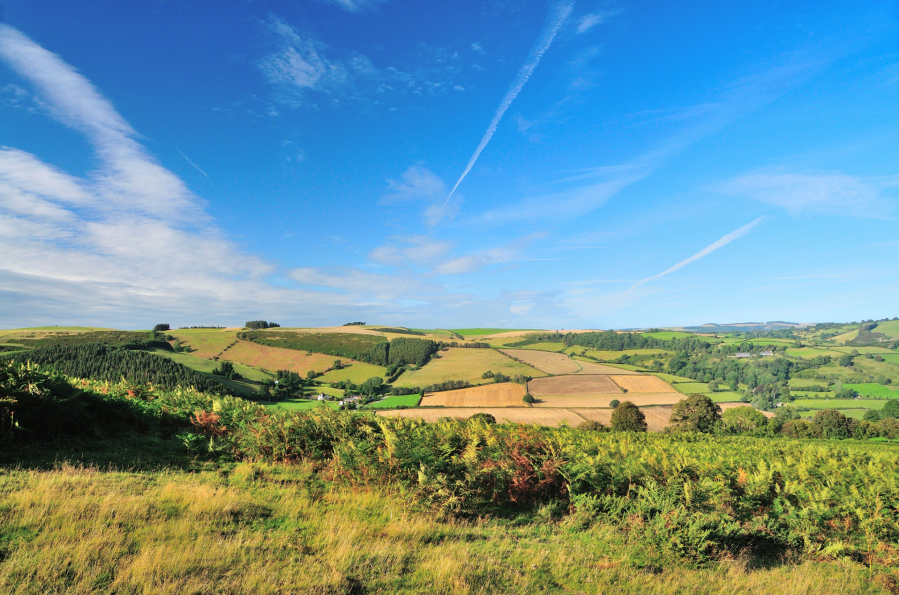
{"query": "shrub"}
(614, 403)
(871, 415)
(529, 399)
(483, 417)
(627, 417)
(696, 413)
(487, 374)
(743, 420)
(592, 425)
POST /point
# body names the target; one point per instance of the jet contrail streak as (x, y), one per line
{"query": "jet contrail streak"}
(559, 15)
(704, 252)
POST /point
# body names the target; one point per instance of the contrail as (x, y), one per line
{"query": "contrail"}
(704, 252)
(197, 167)
(559, 13)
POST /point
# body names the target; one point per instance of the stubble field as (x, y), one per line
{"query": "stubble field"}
(505, 394)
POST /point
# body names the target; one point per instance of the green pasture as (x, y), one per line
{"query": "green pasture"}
(725, 397)
(396, 401)
(811, 352)
(612, 355)
(667, 335)
(357, 373)
(874, 390)
(889, 328)
(623, 366)
(558, 347)
(804, 394)
(205, 365)
(800, 382)
(689, 388)
(863, 350)
(669, 378)
(892, 358)
(840, 403)
(873, 368)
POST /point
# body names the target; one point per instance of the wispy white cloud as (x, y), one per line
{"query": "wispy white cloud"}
(417, 250)
(724, 241)
(825, 193)
(355, 6)
(478, 260)
(558, 16)
(588, 21)
(420, 184)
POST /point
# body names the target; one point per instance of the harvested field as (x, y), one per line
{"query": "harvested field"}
(506, 394)
(551, 363)
(458, 363)
(593, 368)
(634, 383)
(522, 415)
(639, 399)
(574, 385)
(278, 358)
(724, 406)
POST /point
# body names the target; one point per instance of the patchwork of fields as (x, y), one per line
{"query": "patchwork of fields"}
(559, 363)
(458, 363)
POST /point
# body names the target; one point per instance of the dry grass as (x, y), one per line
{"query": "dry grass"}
(278, 358)
(549, 362)
(506, 394)
(640, 399)
(633, 383)
(464, 364)
(269, 529)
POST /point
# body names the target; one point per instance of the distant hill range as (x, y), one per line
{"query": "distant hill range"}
(773, 325)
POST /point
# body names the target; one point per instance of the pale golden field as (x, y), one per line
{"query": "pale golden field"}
(640, 399)
(642, 384)
(278, 358)
(657, 418)
(465, 364)
(549, 362)
(506, 394)
(573, 385)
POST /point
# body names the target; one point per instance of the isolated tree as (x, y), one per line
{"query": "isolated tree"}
(529, 399)
(845, 360)
(743, 420)
(627, 417)
(614, 403)
(483, 417)
(713, 385)
(161, 327)
(872, 415)
(696, 413)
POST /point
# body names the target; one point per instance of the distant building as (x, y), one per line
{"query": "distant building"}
(743, 354)
(766, 353)
(350, 400)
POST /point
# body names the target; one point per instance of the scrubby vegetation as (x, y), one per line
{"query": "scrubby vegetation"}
(123, 339)
(671, 503)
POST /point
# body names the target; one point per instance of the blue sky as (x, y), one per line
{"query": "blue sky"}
(632, 164)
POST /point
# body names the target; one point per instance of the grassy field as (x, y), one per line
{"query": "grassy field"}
(504, 394)
(874, 390)
(889, 328)
(892, 358)
(558, 347)
(263, 530)
(396, 401)
(811, 352)
(205, 343)
(840, 403)
(668, 335)
(248, 386)
(613, 355)
(357, 373)
(688, 388)
(849, 336)
(465, 364)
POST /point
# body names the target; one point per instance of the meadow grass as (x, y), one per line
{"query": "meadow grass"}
(889, 328)
(840, 403)
(874, 390)
(357, 373)
(265, 529)
(558, 347)
(207, 366)
(396, 401)
(459, 363)
(667, 335)
(205, 343)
